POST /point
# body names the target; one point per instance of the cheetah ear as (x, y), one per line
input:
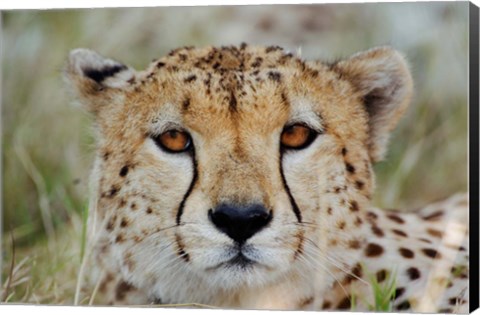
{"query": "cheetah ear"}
(382, 78)
(95, 80)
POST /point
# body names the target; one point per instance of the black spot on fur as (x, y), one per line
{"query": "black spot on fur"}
(111, 223)
(350, 168)
(326, 305)
(160, 64)
(190, 78)
(274, 76)
(399, 292)
(354, 244)
(124, 222)
(186, 104)
(353, 206)
(357, 270)
(430, 252)
(182, 57)
(113, 191)
(358, 221)
(381, 275)
(359, 184)
(434, 216)
(373, 250)
(377, 231)
(371, 216)
(395, 218)
(413, 273)
(313, 73)
(435, 233)
(344, 304)
(119, 238)
(405, 252)
(285, 58)
(257, 62)
(399, 233)
(405, 305)
(122, 289)
(123, 171)
(273, 48)
(305, 302)
(99, 75)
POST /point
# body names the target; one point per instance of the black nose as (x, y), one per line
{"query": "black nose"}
(240, 222)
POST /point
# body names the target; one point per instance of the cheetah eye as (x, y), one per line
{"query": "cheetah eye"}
(297, 137)
(174, 141)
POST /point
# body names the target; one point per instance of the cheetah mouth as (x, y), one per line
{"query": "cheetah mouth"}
(240, 260)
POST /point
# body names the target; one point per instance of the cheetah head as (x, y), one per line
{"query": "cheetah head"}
(232, 168)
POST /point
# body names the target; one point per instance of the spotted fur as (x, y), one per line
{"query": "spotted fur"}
(149, 229)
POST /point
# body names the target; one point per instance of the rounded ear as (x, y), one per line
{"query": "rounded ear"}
(94, 79)
(382, 78)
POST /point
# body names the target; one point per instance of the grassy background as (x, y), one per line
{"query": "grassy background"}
(47, 144)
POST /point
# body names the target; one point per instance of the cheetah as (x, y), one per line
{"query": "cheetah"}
(241, 177)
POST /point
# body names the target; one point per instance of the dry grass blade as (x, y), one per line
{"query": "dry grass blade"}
(12, 266)
(35, 175)
(95, 289)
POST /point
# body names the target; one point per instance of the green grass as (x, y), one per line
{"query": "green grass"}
(383, 294)
(47, 144)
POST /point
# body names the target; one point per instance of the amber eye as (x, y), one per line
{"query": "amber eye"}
(174, 141)
(297, 137)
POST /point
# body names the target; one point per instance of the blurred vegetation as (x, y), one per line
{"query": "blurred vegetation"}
(47, 144)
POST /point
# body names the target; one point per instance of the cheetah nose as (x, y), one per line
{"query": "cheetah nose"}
(240, 222)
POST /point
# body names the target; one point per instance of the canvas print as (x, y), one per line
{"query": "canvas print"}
(300, 157)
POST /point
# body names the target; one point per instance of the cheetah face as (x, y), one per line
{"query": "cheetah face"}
(233, 166)
(235, 210)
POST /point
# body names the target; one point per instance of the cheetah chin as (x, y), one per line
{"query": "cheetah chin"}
(241, 177)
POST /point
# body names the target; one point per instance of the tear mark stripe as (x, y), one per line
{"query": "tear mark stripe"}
(190, 188)
(293, 203)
